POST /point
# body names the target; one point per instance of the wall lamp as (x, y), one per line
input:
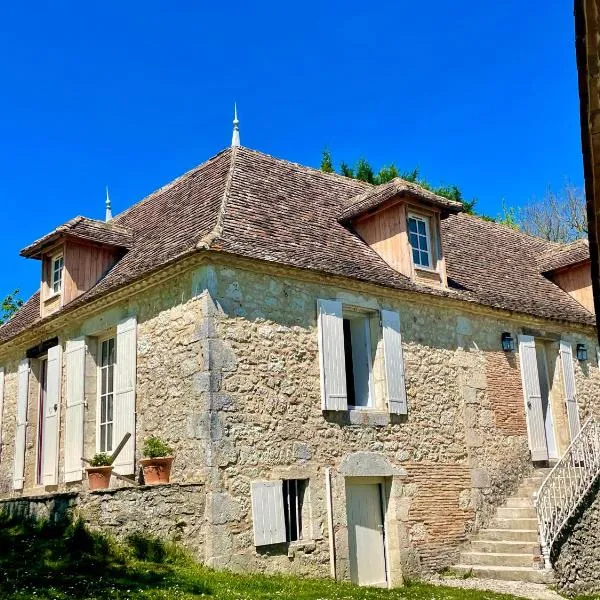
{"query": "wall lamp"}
(581, 352)
(508, 342)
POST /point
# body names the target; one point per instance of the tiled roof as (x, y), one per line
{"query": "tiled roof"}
(564, 255)
(250, 204)
(378, 195)
(82, 228)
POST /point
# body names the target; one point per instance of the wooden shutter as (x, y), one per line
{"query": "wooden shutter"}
(331, 355)
(568, 372)
(52, 416)
(267, 513)
(394, 362)
(21, 431)
(75, 411)
(124, 403)
(533, 398)
(1, 405)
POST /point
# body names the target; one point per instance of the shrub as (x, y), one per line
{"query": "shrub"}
(101, 459)
(154, 447)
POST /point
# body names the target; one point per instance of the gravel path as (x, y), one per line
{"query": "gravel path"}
(535, 591)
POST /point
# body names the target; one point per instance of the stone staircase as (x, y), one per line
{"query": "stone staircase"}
(509, 549)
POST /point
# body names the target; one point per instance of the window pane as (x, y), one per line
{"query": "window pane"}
(423, 244)
(412, 225)
(414, 240)
(111, 351)
(109, 435)
(109, 408)
(110, 376)
(416, 257)
(424, 259)
(421, 225)
(104, 353)
(103, 410)
(102, 438)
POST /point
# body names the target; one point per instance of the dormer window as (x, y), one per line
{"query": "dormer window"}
(420, 240)
(57, 273)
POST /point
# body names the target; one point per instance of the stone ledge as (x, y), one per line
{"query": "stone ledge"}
(144, 488)
(39, 497)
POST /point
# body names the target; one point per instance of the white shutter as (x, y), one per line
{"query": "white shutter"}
(1, 405)
(22, 398)
(533, 398)
(51, 410)
(566, 360)
(124, 403)
(267, 512)
(394, 362)
(75, 412)
(331, 355)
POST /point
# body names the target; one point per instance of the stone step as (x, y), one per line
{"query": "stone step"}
(516, 513)
(527, 490)
(506, 546)
(513, 523)
(527, 574)
(519, 502)
(497, 558)
(508, 535)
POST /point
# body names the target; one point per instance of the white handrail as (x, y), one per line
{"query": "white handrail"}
(566, 485)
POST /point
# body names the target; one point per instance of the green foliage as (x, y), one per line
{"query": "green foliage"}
(364, 172)
(326, 162)
(66, 561)
(509, 216)
(154, 447)
(10, 305)
(101, 459)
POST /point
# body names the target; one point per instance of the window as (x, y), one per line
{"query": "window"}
(56, 275)
(293, 500)
(420, 241)
(43, 375)
(357, 355)
(106, 389)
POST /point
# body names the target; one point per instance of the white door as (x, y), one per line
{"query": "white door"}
(544, 376)
(366, 535)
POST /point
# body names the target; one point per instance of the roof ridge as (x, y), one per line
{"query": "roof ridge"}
(206, 241)
(169, 185)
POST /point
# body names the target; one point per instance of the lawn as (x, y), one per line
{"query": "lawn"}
(64, 562)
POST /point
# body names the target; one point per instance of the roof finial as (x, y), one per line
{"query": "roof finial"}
(235, 138)
(108, 208)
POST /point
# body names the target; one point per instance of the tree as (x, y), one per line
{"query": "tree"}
(558, 217)
(10, 305)
(364, 172)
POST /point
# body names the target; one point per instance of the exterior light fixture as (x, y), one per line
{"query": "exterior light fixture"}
(508, 342)
(581, 351)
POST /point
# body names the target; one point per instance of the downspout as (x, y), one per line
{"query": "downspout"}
(330, 522)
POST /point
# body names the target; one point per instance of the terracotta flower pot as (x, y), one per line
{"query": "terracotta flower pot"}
(156, 470)
(98, 477)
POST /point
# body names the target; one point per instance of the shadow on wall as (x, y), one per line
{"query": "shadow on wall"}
(576, 553)
(62, 558)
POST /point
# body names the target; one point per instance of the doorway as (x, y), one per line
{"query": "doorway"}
(365, 506)
(542, 355)
(43, 378)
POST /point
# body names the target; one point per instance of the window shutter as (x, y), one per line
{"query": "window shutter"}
(22, 398)
(394, 362)
(566, 360)
(533, 398)
(124, 405)
(267, 513)
(52, 416)
(1, 405)
(75, 412)
(331, 355)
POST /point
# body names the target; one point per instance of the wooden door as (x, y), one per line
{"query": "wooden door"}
(366, 533)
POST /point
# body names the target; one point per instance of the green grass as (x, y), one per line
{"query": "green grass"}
(64, 562)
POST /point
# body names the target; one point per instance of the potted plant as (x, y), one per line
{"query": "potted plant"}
(157, 461)
(99, 471)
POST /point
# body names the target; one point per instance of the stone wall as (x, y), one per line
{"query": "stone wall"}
(576, 555)
(173, 512)
(228, 374)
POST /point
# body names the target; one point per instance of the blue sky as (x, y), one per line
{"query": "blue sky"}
(132, 94)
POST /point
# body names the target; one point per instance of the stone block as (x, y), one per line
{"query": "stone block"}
(480, 478)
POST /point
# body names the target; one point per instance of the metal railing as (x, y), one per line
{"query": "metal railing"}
(566, 485)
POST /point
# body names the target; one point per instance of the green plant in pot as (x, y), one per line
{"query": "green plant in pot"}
(157, 461)
(99, 471)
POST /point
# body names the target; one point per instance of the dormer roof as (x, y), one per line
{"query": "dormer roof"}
(565, 255)
(377, 196)
(81, 228)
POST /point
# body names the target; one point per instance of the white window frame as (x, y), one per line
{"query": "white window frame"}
(101, 340)
(56, 277)
(351, 312)
(426, 220)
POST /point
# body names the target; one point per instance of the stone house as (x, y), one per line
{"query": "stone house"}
(355, 379)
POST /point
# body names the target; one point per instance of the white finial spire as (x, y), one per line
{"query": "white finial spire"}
(108, 208)
(235, 138)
